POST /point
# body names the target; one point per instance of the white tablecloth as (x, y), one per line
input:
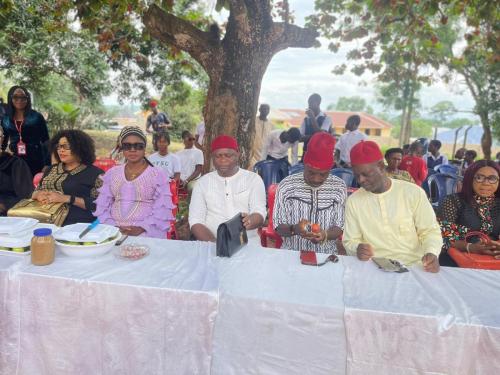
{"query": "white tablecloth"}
(109, 316)
(181, 310)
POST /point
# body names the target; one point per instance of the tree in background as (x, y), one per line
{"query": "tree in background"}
(351, 104)
(405, 43)
(38, 42)
(393, 41)
(478, 62)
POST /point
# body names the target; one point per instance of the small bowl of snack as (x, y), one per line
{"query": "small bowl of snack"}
(132, 252)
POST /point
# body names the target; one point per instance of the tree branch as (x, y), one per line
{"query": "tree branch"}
(285, 35)
(174, 31)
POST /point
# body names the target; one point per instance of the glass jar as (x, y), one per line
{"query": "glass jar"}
(42, 247)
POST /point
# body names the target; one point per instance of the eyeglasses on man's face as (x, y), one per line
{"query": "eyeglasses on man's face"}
(136, 146)
(481, 178)
(20, 98)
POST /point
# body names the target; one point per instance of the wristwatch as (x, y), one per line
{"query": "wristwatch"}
(292, 230)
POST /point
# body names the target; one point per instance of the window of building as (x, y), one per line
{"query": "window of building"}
(378, 132)
(367, 131)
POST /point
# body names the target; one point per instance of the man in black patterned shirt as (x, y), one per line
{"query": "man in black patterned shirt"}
(309, 206)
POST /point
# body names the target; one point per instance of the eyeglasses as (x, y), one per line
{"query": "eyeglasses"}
(136, 146)
(64, 146)
(491, 179)
(20, 98)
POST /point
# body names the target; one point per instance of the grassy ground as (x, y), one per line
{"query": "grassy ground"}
(105, 141)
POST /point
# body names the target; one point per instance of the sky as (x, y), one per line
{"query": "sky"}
(295, 73)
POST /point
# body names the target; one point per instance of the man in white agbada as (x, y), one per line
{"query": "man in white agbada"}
(220, 195)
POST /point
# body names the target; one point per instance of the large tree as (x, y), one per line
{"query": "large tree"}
(37, 43)
(235, 62)
(234, 55)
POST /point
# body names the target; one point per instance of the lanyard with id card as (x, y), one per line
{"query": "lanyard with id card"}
(21, 146)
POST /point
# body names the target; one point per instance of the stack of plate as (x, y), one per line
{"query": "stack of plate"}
(16, 234)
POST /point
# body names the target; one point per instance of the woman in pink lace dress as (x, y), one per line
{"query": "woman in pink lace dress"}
(135, 196)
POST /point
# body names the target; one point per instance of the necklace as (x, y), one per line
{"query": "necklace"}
(134, 174)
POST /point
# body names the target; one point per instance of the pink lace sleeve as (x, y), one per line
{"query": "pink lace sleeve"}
(158, 223)
(105, 199)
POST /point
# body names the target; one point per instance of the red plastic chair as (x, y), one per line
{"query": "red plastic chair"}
(269, 232)
(175, 200)
(37, 179)
(104, 163)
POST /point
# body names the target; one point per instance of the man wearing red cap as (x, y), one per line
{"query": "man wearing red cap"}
(389, 218)
(156, 121)
(312, 197)
(220, 195)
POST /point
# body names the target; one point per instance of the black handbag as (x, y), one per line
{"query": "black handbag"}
(231, 236)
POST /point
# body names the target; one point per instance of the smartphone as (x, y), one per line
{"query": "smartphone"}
(308, 258)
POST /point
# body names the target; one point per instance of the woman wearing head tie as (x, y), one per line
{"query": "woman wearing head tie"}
(135, 196)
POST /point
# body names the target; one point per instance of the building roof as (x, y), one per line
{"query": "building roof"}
(294, 117)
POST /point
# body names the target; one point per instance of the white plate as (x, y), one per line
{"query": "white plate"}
(99, 234)
(11, 225)
(22, 240)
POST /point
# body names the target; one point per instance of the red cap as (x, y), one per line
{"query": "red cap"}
(153, 103)
(224, 141)
(365, 152)
(319, 154)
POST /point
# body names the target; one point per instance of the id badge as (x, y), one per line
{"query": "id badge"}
(21, 148)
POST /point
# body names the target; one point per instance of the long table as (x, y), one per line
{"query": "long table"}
(181, 310)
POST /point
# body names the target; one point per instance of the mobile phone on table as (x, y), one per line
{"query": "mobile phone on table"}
(308, 258)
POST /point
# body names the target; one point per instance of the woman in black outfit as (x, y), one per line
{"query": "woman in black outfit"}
(73, 180)
(15, 180)
(475, 208)
(26, 130)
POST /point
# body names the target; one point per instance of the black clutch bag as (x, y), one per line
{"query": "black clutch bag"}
(231, 236)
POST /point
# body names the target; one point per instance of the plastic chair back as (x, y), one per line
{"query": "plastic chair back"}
(104, 163)
(447, 169)
(37, 179)
(269, 232)
(440, 185)
(271, 171)
(297, 168)
(344, 174)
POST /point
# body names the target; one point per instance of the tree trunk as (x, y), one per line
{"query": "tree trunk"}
(233, 95)
(486, 140)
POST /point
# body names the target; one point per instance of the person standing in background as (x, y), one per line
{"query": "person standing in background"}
(434, 158)
(157, 121)
(315, 120)
(191, 160)
(26, 130)
(348, 140)
(166, 161)
(263, 128)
